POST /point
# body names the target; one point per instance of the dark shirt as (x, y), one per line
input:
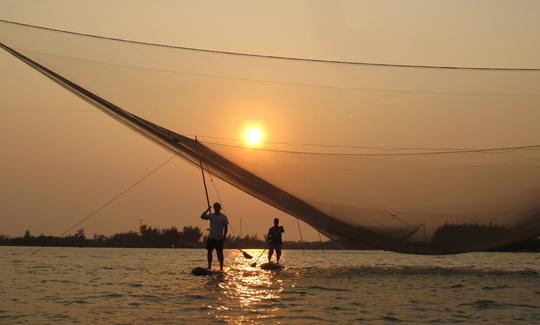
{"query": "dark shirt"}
(274, 235)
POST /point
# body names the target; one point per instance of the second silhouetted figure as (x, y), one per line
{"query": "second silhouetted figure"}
(275, 240)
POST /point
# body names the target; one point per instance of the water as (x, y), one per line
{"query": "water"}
(141, 286)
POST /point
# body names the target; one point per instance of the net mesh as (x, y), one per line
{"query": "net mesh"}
(411, 159)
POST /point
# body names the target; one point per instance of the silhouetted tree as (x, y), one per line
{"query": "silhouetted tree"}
(79, 235)
(128, 239)
(99, 238)
(191, 234)
(467, 233)
(171, 236)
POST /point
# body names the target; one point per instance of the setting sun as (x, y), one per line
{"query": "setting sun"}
(253, 136)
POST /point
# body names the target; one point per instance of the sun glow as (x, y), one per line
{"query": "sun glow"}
(254, 136)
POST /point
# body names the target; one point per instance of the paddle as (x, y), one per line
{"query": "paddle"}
(246, 255)
(255, 263)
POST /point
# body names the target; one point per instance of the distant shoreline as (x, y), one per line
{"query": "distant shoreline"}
(495, 250)
(192, 237)
(310, 246)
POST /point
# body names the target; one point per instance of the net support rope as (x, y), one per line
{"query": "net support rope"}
(112, 200)
(277, 57)
(301, 237)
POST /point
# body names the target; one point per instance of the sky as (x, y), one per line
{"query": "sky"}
(62, 162)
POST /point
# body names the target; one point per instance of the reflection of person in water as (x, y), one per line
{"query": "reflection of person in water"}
(218, 232)
(275, 240)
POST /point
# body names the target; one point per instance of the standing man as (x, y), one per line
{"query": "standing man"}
(218, 232)
(275, 241)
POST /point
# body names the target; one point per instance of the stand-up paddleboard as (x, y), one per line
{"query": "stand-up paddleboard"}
(271, 266)
(204, 271)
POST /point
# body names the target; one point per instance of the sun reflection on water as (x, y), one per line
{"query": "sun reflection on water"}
(257, 292)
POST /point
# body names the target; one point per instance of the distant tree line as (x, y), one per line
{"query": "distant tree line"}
(192, 237)
(151, 237)
(473, 234)
(146, 237)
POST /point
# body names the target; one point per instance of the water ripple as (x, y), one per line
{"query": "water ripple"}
(155, 286)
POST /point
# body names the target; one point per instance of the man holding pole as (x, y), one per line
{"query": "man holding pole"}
(219, 225)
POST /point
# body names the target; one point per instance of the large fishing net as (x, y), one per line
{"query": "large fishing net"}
(405, 158)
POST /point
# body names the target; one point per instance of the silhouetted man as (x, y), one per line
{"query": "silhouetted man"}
(274, 240)
(218, 232)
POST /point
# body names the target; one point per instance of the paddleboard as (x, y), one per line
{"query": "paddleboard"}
(204, 271)
(271, 266)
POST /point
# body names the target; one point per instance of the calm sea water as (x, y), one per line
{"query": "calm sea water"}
(154, 286)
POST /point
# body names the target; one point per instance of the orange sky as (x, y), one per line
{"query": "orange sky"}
(48, 182)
